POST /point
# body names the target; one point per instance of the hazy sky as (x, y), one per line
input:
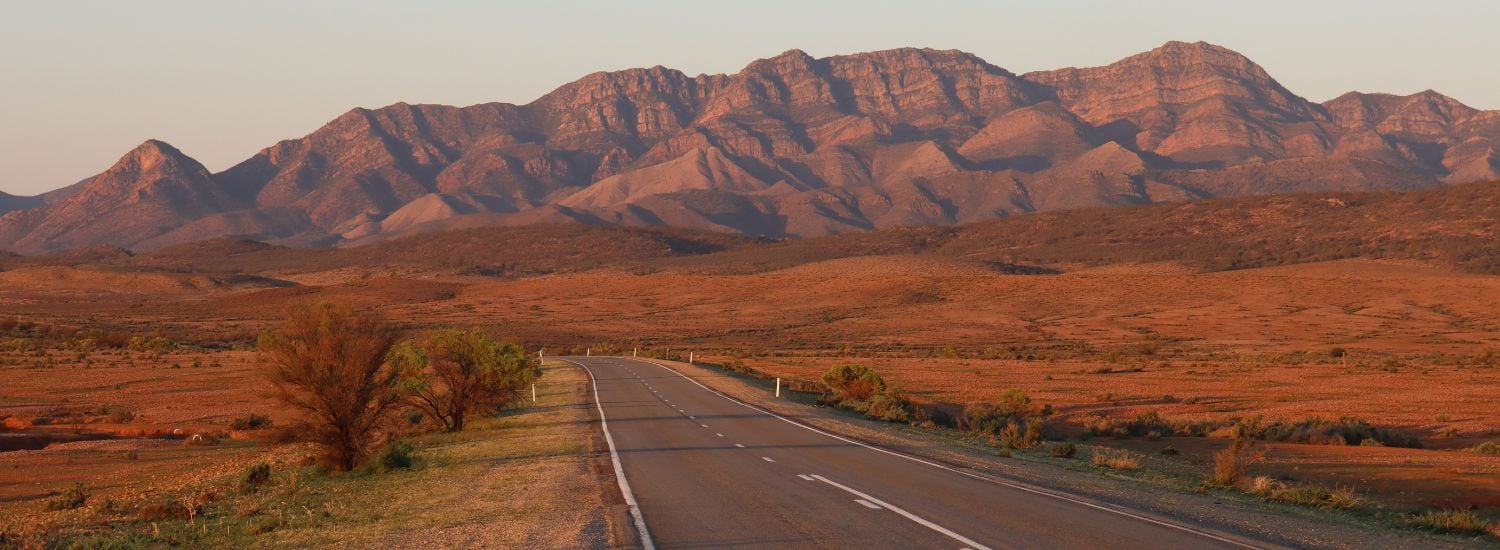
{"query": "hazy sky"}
(82, 82)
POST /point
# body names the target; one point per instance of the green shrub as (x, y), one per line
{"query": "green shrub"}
(396, 455)
(853, 382)
(1318, 431)
(887, 407)
(452, 375)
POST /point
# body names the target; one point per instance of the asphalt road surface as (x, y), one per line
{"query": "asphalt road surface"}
(701, 470)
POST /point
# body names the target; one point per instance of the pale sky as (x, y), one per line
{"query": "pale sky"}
(82, 82)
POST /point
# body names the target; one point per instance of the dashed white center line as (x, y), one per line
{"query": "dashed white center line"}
(805, 477)
(767, 459)
(720, 435)
(740, 445)
(704, 425)
(867, 504)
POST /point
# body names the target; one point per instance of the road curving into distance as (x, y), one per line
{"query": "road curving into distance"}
(703, 470)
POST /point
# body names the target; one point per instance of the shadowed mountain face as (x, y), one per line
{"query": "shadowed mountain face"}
(789, 146)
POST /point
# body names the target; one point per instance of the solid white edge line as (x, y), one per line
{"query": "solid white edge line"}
(614, 457)
(904, 513)
(867, 504)
(974, 475)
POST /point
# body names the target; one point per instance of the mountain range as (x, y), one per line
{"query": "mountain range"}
(791, 146)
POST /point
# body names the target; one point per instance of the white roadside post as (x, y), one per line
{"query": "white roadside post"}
(588, 352)
(533, 393)
(778, 387)
(690, 358)
(635, 351)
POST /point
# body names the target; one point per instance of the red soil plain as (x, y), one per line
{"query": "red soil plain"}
(1107, 342)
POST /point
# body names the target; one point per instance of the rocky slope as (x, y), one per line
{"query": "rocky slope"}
(789, 146)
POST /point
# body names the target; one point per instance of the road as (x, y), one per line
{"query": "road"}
(701, 470)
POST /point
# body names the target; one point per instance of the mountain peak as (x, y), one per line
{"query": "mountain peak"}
(154, 148)
(155, 155)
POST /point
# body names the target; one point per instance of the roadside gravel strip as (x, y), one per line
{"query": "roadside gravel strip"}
(1211, 521)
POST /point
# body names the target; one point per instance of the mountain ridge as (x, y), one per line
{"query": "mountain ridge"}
(789, 146)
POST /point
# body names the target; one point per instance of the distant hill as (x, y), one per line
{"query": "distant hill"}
(1450, 225)
(790, 146)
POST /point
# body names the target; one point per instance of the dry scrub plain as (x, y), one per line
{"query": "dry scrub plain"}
(1403, 346)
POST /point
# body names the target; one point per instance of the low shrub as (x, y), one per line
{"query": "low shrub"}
(1017, 436)
(116, 414)
(254, 477)
(251, 421)
(853, 382)
(1063, 450)
(1115, 460)
(1170, 451)
(1487, 448)
(1318, 431)
(1231, 463)
(887, 407)
(1451, 521)
(72, 498)
(396, 455)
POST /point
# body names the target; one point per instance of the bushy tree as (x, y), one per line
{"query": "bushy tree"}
(330, 363)
(452, 374)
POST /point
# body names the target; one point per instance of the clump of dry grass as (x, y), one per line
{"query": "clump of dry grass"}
(1303, 494)
(1451, 521)
(1115, 460)
(1231, 463)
